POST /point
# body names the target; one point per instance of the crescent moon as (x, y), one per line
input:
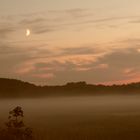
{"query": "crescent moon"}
(28, 32)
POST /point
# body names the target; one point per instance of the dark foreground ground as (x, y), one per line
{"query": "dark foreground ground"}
(99, 128)
(84, 118)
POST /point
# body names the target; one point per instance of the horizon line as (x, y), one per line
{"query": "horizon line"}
(98, 84)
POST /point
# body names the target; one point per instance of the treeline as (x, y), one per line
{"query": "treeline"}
(12, 88)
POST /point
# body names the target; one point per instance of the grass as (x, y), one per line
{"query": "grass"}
(98, 128)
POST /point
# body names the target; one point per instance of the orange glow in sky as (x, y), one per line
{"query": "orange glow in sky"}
(96, 41)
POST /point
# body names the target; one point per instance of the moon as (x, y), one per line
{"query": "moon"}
(28, 32)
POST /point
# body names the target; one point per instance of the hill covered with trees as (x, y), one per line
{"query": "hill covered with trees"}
(12, 88)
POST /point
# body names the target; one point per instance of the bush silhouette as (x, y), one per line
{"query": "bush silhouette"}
(15, 127)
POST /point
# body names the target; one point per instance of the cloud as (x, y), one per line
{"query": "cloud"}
(102, 66)
(9, 61)
(115, 61)
(5, 31)
(123, 66)
(73, 13)
(80, 50)
(56, 20)
(83, 68)
(60, 68)
(49, 21)
(44, 76)
(32, 21)
(60, 60)
(128, 70)
(122, 81)
(25, 70)
(37, 25)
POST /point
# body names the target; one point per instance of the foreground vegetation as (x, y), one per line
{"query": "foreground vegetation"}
(15, 127)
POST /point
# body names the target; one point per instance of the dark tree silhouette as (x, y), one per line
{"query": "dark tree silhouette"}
(15, 128)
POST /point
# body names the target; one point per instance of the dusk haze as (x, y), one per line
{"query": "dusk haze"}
(54, 42)
(70, 69)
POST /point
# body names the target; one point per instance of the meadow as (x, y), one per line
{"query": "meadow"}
(106, 117)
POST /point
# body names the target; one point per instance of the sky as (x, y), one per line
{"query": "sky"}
(52, 42)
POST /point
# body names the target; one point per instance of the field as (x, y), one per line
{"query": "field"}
(109, 117)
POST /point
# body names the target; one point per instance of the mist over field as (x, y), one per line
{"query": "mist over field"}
(83, 118)
(69, 69)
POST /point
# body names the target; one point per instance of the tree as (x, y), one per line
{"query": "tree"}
(15, 128)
